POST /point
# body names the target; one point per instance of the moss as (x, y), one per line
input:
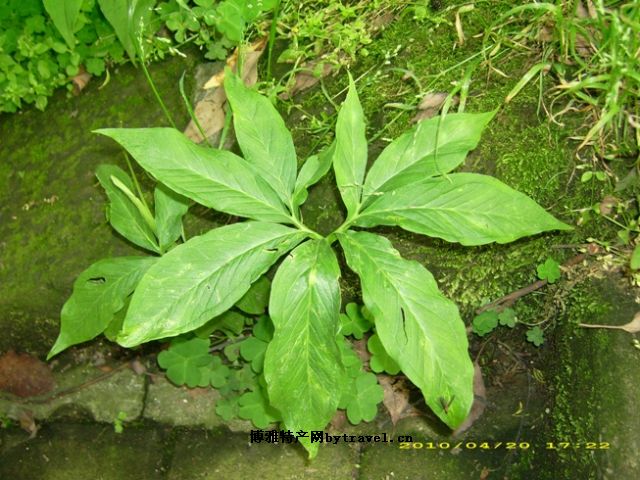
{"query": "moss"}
(55, 224)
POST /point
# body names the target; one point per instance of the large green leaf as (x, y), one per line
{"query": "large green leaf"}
(419, 328)
(128, 18)
(467, 208)
(433, 147)
(203, 278)
(303, 366)
(314, 168)
(262, 135)
(350, 154)
(123, 214)
(170, 207)
(215, 178)
(64, 14)
(98, 293)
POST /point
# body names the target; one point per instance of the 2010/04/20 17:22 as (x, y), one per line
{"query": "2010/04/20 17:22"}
(470, 445)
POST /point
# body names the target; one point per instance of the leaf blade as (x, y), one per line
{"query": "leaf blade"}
(350, 154)
(202, 278)
(433, 147)
(123, 215)
(170, 207)
(303, 365)
(98, 293)
(263, 136)
(64, 15)
(128, 20)
(467, 208)
(214, 178)
(419, 328)
(313, 169)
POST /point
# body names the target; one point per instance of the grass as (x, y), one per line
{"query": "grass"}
(592, 49)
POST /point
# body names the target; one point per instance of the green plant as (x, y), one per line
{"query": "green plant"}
(549, 270)
(592, 50)
(308, 372)
(118, 422)
(45, 44)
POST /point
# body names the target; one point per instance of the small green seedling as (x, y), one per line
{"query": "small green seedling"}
(549, 270)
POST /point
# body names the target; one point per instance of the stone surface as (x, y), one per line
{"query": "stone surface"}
(75, 397)
(207, 457)
(75, 452)
(52, 211)
(168, 404)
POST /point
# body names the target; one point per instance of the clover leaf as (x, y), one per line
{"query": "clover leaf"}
(362, 397)
(228, 408)
(485, 322)
(380, 359)
(184, 359)
(549, 270)
(214, 373)
(253, 348)
(353, 322)
(535, 336)
(255, 406)
(507, 317)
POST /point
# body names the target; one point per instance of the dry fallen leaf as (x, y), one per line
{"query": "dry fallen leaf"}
(360, 347)
(430, 105)
(338, 421)
(396, 398)
(28, 423)
(607, 205)
(479, 401)
(80, 80)
(632, 327)
(484, 473)
(249, 74)
(210, 109)
(137, 366)
(24, 375)
(308, 75)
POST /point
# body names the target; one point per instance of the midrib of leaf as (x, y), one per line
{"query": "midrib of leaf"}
(265, 147)
(233, 260)
(244, 193)
(392, 285)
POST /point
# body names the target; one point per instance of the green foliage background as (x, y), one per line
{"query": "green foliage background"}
(38, 55)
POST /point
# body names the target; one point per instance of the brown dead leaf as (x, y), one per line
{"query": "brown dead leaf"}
(210, 109)
(307, 77)
(24, 375)
(396, 398)
(137, 366)
(632, 327)
(80, 80)
(479, 401)
(28, 422)
(381, 21)
(484, 473)
(338, 421)
(607, 204)
(430, 105)
(252, 54)
(360, 347)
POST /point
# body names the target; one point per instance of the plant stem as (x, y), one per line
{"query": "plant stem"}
(155, 91)
(272, 37)
(192, 114)
(304, 228)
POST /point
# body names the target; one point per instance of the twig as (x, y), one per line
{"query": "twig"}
(74, 389)
(511, 298)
